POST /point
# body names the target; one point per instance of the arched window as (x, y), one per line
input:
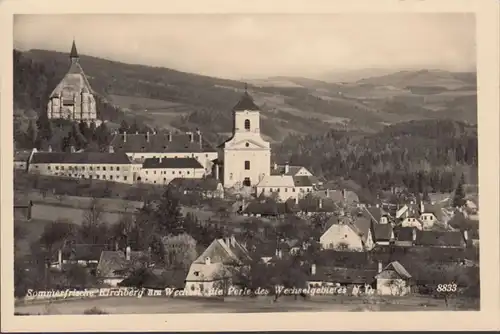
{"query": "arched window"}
(247, 124)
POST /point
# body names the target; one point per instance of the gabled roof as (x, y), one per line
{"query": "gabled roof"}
(229, 252)
(84, 252)
(74, 52)
(292, 170)
(246, 103)
(302, 181)
(269, 208)
(171, 163)
(434, 209)
(396, 268)
(204, 184)
(435, 238)
(80, 158)
(361, 226)
(343, 275)
(160, 143)
(112, 262)
(382, 232)
(374, 213)
(22, 155)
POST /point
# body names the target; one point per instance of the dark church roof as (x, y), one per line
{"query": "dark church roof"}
(171, 163)
(160, 143)
(80, 158)
(246, 103)
(74, 52)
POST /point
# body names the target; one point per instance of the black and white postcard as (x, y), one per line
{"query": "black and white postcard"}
(265, 165)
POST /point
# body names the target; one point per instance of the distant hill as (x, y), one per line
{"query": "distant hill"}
(169, 99)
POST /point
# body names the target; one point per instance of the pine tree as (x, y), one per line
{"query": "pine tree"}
(31, 135)
(124, 127)
(44, 127)
(459, 197)
(169, 217)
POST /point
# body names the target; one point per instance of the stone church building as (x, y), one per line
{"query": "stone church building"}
(245, 157)
(73, 98)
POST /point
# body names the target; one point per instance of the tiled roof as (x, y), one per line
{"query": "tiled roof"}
(396, 268)
(111, 262)
(292, 170)
(361, 226)
(246, 103)
(382, 232)
(84, 252)
(313, 205)
(343, 275)
(206, 184)
(269, 208)
(201, 272)
(277, 181)
(434, 238)
(435, 209)
(302, 181)
(373, 213)
(338, 195)
(404, 233)
(80, 158)
(159, 142)
(171, 163)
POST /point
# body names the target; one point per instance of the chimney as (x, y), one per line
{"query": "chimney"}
(169, 136)
(50, 148)
(124, 136)
(207, 260)
(127, 253)
(297, 200)
(275, 166)
(111, 149)
(137, 132)
(116, 246)
(422, 207)
(191, 137)
(159, 160)
(328, 193)
(414, 235)
(313, 269)
(380, 268)
(280, 253)
(217, 171)
(59, 259)
(287, 168)
(72, 149)
(147, 136)
(320, 205)
(344, 194)
(377, 205)
(466, 235)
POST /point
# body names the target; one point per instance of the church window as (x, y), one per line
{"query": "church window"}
(247, 165)
(247, 124)
(247, 144)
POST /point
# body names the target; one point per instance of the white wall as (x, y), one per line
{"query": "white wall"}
(165, 175)
(234, 166)
(284, 193)
(341, 234)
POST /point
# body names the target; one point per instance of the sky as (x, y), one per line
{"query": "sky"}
(261, 45)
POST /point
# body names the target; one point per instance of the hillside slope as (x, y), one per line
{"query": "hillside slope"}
(173, 99)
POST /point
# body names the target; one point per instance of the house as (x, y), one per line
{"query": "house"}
(408, 210)
(376, 214)
(340, 197)
(284, 187)
(115, 266)
(85, 255)
(164, 170)
(405, 236)
(430, 214)
(22, 209)
(310, 205)
(141, 146)
(21, 160)
(393, 280)
(268, 208)
(412, 221)
(216, 267)
(331, 275)
(289, 170)
(73, 98)
(383, 234)
(206, 187)
(453, 239)
(347, 234)
(115, 167)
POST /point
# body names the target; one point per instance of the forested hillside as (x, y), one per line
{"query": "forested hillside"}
(427, 155)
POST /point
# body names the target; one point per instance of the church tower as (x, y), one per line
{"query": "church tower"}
(246, 155)
(73, 98)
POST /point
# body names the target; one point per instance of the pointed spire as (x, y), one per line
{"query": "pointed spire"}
(74, 53)
(246, 87)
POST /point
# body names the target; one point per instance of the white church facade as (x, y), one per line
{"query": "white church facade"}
(246, 156)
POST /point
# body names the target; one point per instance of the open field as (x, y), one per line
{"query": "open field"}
(162, 305)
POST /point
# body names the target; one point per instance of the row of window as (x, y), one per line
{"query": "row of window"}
(286, 190)
(111, 168)
(97, 177)
(164, 172)
(166, 157)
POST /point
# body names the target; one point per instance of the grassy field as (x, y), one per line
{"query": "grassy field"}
(163, 305)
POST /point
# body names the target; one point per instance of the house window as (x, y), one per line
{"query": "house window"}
(180, 172)
(91, 168)
(117, 168)
(146, 172)
(154, 172)
(97, 176)
(98, 168)
(104, 177)
(57, 167)
(188, 172)
(164, 179)
(247, 124)
(247, 165)
(48, 167)
(62, 167)
(286, 189)
(173, 172)
(293, 190)
(111, 168)
(83, 167)
(103, 167)
(111, 177)
(125, 178)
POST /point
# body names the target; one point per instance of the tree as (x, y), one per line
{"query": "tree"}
(31, 135)
(43, 126)
(168, 213)
(92, 225)
(459, 196)
(56, 234)
(124, 127)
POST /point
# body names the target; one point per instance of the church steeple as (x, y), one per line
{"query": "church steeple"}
(73, 55)
(246, 102)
